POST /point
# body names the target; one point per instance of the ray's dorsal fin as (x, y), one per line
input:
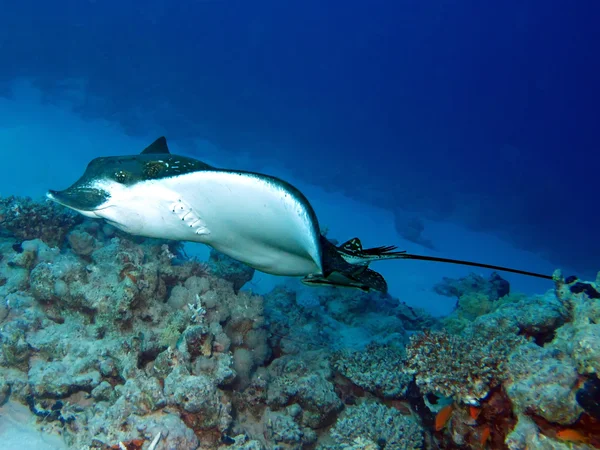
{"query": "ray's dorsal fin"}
(158, 147)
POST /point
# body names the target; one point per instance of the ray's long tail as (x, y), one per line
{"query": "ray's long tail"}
(391, 252)
(475, 264)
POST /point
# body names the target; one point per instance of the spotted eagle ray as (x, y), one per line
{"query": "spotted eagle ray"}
(257, 219)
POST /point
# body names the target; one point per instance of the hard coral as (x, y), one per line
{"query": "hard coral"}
(385, 428)
(463, 367)
(378, 369)
(25, 219)
(305, 382)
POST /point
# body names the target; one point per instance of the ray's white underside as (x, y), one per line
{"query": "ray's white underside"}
(248, 217)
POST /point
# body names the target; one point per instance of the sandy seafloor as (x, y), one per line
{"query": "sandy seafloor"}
(47, 146)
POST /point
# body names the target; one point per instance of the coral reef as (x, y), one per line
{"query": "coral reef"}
(237, 273)
(143, 336)
(462, 367)
(307, 383)
(372, 425)
(378, 369)
(528, 360)
(26, 219)
(115, 340)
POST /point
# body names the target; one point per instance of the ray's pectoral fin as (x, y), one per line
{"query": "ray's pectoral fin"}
(367, 280)
(353, 245)
(338, 272)
(374, 280)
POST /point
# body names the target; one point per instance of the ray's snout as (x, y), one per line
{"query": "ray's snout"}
(80, 198)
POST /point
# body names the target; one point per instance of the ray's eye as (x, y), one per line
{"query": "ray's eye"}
(121, 176)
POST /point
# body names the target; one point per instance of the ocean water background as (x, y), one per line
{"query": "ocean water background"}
(478, 119)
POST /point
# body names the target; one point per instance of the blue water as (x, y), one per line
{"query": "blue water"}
(457, 129)
(482, 114)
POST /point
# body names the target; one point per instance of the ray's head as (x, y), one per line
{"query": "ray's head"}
(106, 177)
(103, 177)
(94, 189)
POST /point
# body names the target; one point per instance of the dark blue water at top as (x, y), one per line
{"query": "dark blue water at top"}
(480, 112)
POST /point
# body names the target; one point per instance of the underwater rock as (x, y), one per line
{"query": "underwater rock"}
(4, 391)
(143, 393)
(107, 426)
(229, 269)
(251, 402)
(533, 317)
(198, 395)
(536, 317)
(16, 381)
(58, 379)
(306, 382)
(103, 392)
(192, 291)
(412, 230)
(307, 319)
(585, 288)
(525, 435)
(499, 285)
(242, 442)
(14, 348)
(82, 243)
(588, 396)
(493, 288)
(582, 345)
(579, 337)
(543, 381)
(128, 353)
(14, 271)
(283, 431)
(219, 367)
